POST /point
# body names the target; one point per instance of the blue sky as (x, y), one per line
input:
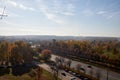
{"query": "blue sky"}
(61, 17)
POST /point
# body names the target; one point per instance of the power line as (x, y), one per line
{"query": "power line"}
(3, 13)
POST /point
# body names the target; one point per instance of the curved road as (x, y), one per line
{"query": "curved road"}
(67, 77)
(94, 70)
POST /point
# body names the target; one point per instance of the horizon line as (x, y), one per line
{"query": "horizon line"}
(59, 35)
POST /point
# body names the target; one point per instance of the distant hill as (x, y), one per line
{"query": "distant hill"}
(51, 37)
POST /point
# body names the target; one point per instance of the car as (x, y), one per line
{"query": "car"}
(63, 74)
(74, 79)
(73, 73)
(70, 72)
(89, 66)
(80, 77)
(66, 70)
(77, 75)
(85, 79)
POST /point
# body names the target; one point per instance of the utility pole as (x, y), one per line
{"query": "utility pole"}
(3, 15)
(107, 74)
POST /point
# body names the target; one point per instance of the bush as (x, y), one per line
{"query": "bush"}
(4, 71)
(33, 73)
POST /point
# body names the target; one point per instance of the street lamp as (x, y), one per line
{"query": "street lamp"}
(90, 67)
(107, 74)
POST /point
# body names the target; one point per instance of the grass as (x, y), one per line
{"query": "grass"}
(45, 76)
(12, 77)
(111, 55)
(48, 75)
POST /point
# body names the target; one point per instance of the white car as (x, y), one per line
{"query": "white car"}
(73, 79)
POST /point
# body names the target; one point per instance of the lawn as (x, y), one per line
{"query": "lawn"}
(28, 76)
(12, 77)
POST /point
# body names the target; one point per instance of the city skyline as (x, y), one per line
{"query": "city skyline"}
(61, 17)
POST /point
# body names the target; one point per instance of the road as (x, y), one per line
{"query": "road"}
(67, 77)
(94, 70)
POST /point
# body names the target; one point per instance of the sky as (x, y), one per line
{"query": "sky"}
(61, 17)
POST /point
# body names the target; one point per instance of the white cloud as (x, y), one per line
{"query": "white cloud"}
(50, 15)
(112, 15)
(55, 9)
(12, 3)
(21, 6)
(32, 9)
(88, 12)
(26, 8)
(68, 13)
(100, 12)
(108, 14)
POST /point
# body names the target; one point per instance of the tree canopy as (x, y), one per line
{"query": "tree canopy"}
(16, 52)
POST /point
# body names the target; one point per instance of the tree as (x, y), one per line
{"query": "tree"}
(62, 60)
(69, 63)
(78, 67)
(98, 74)
(115, 51)
(39, 73)
(46, 54)
(56, 67)
(4, 54)
(15, 53)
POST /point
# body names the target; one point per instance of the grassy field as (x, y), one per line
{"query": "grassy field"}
(12, 77)
(28, 76)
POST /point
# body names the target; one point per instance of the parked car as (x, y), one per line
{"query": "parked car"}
(74, 79)
(73, 73)
(70, 72)
(86, 79)
(63, 74)
(66, 70)
(79, 76)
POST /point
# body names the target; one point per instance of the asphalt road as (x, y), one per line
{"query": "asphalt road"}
(62, 77)
(95, 70)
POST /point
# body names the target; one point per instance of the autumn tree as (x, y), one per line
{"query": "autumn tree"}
(68, 63)
(16, 53)
(39, 73)
(78, 67)
(46, 54)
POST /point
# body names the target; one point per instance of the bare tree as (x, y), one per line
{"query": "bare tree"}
(98, 74)
(78, 67)
(59, 61)
(39, 73)
(91, 72)
(62, 60)
(69, 63)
